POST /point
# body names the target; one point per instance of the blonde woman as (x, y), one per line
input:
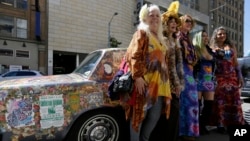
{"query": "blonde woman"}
(189, 105)
(204, 73)
(147, 59)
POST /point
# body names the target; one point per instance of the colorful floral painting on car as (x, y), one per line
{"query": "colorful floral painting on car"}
(42, 106)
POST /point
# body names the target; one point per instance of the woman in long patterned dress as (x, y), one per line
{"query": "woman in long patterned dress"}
(147, 59)
(171, 21)
(189, 106)
(227, 104)
(204, 71)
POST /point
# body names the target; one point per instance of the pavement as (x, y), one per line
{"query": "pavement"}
(213, 134)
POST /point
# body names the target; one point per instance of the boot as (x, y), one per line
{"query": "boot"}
(201, 120)
(187, 138)
(205, 116)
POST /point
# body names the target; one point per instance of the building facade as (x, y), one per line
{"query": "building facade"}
(227, 13)
(69, 30)
(23, 35)
(78, 27)
(230, 14)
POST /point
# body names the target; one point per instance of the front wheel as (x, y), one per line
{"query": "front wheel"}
(99, 125)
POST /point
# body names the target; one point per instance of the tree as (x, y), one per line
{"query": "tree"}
(114, 43)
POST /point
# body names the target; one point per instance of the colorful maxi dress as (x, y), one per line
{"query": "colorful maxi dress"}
(189, 105)
(227, 104)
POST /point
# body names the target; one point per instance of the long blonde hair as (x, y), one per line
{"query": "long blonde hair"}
(200, 47)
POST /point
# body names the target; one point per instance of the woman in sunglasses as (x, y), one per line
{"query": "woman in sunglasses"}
(189, 105)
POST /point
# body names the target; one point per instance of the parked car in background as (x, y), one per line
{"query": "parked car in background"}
(20, 74)
(245, 69)
(70, 107)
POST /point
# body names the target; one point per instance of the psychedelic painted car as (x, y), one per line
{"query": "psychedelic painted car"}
(72, 107)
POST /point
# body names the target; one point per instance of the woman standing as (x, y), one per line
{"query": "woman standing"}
(227, 106)
(170, 20)
(189, 106)
(147, 59)
(204, 75)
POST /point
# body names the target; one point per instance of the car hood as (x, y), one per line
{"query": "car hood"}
(72, 78)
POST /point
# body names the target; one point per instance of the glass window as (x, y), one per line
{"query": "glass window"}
(13, 27)
(212, 16)
(7, 2)
(86, 67)
(6, 25)
(21, 4)
(6, 52)
(10, 74)
(22, 53)
(25, 73)
(21, 28)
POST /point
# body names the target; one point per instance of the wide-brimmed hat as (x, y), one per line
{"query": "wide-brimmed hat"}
(172, 12)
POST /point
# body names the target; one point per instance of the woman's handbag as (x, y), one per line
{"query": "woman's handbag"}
(123, 84)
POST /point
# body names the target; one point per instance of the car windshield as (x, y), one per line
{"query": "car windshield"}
(87, 65)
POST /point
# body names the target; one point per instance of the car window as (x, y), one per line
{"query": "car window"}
(10, 74)
(88, 63)
(41, 73)
(25, 73)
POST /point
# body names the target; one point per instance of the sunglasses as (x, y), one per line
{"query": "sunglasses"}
(188, 21)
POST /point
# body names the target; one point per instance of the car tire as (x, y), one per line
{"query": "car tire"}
(106, 124)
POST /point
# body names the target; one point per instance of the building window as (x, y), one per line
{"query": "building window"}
(22, 53)
(212, 26)
(21, 4)
(21, 28)
(6, 52)
(6, 25)
(7, 2)
(13, 27)
(212, 16)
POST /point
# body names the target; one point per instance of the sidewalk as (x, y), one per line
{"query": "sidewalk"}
(214, 136)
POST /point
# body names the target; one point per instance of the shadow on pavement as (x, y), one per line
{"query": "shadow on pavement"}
(159, 133)
(214, 136)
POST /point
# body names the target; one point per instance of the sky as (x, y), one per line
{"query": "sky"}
(247, 27)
